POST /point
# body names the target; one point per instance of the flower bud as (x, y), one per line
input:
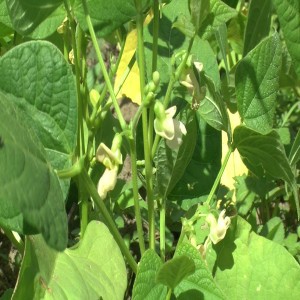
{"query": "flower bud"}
(156, 78)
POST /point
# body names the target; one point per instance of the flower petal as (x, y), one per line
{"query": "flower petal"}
(107, 181)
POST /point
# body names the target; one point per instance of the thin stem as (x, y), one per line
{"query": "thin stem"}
(15, 239)
(102, 65)
(217, 180)
(108, 219)
(154, 65)
(162, 229)
(147, 154)
(289, 113)
(174, 77)
(136, 196)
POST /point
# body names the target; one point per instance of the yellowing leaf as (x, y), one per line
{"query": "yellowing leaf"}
(235, 165)
(131, 86)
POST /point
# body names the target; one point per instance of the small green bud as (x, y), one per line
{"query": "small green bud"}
(159, 110)
(149, 99)
(156, 78)
(151, 87)
(116, 143)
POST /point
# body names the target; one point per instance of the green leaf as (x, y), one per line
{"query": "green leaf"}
(145, 287)
(4, 17)
(219, 14)
(260, 268)
(258, 23)
(170, 164)
(245, 193)
(200, 284)
(257, 82)
(175, 270)
(200, 174)
(267, 151)
(212, 108)
(106, 16)
(288, 12)
(221, 37)
(294, 156)
(30, 194)
(199, 10)
(172, 41)
(37, 78)
(28, 15)
(94, 268)
(273, 230)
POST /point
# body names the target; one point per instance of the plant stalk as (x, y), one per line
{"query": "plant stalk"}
(147, 153)
(217, 180)
(108, 219)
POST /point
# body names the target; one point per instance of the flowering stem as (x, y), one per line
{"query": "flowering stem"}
(102, 65)
(108, 219)
(162, 229)
(174, 77)
(137, 210)
(217, 180)
(147, 154)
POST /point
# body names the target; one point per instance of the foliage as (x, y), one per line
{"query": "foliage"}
(171, 230)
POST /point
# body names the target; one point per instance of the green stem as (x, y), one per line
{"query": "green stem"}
(136, 196)
(16, 241)
(168, 297)
(174, 77)
(102, 65)
(84, 204)
(162, 229)
(72, 171)
(217, 180)
(108, 219)
(147, 154)
(289, 113)
(154, 65)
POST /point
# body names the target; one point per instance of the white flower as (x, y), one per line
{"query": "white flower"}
(169, 128)
(111, 159)
(107, 181)
(218, 229)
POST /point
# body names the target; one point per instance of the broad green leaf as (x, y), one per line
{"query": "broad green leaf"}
(49, 25)
(30, 195)
(106, 16)
(248, 266)
(37, 78)
(257, 82)
(199, 10)
(273, 230)
(171, 41)
(204, 166)
(219, 14)
(212, 108)
(265, 151)
(199, 285)
(258, 23)
(175, 270)
(294, 156)
(221, 37)
(288, 12)
(7, 295)
(94, 268)
(4, 17)
(236, 32)
(245, 194)
(27, 15)
(170, 164)
(145, 287)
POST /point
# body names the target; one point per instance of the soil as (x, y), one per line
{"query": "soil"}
(8, 269)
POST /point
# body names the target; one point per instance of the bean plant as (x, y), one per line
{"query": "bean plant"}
(208, 77)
